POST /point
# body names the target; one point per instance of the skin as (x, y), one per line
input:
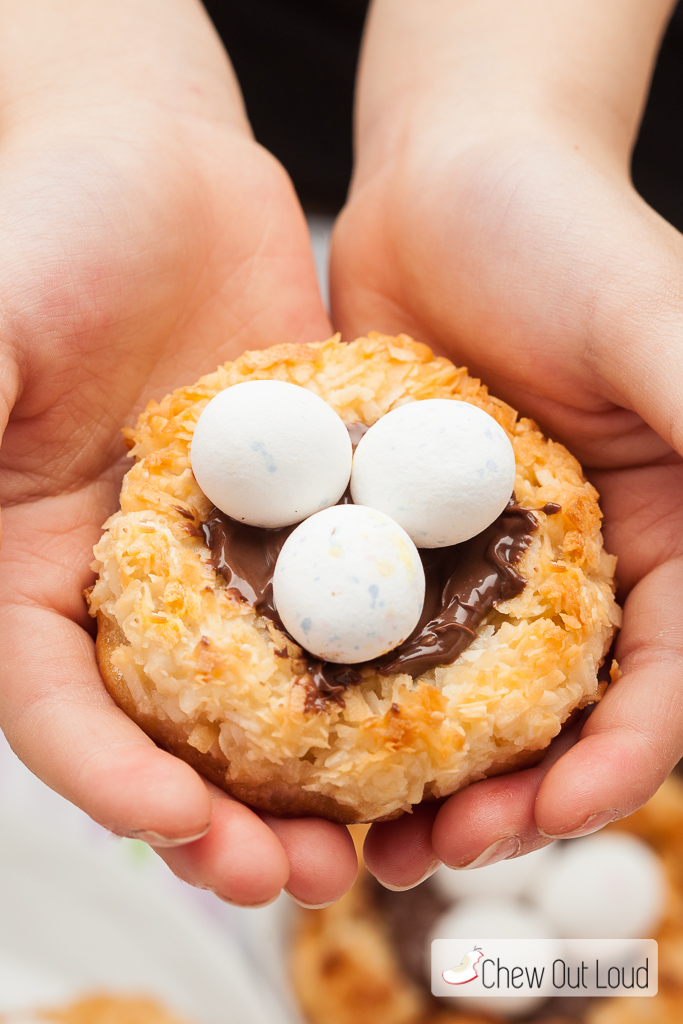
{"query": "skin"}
(492, 216)
(143, 228)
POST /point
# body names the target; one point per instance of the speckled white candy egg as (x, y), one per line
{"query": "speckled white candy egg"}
(349, 584)
(269, 453)
(441, 468)
(604, 887)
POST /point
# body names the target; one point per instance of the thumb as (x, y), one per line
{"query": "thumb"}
(635, 329)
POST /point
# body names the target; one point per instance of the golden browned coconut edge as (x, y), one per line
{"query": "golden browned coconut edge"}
(281, 801)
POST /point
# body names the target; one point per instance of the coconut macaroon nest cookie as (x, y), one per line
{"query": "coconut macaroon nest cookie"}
(469, 653)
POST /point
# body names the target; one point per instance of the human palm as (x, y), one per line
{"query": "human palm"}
(137, 256)
(543, 272)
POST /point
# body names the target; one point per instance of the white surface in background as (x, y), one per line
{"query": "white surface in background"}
(73, 921)
(81, 910)
(266, 933)
(321, 230)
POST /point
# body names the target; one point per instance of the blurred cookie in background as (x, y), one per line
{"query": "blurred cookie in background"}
(100, 1009)
(365, 960)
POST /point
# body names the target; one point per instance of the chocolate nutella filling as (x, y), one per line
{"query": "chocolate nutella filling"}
(463, 583)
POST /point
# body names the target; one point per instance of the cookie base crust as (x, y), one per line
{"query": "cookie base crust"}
(282, 801)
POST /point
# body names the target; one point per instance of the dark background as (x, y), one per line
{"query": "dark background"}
(296, 63)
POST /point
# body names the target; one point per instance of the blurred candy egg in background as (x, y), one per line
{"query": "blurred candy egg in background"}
(603, 887)
(514, 877)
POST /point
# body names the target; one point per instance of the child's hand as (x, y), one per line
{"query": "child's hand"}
(145, 239)
(501, 228)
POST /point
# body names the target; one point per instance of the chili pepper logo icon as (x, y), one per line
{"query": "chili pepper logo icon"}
(467, 969)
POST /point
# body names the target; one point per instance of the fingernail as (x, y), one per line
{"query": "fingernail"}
(155, 839)
(502, 849)
(309, 906)
(236, 903)
(592, 824)
(404, 888)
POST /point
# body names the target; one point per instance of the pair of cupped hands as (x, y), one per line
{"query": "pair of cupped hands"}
(147, 238)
